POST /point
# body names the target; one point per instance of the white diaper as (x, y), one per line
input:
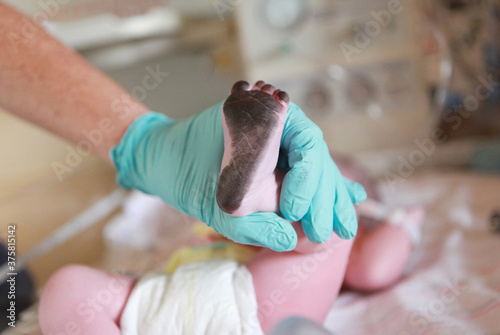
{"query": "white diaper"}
(209, 297)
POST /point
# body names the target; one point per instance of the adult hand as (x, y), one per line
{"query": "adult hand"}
(180, 162)
(313, 189)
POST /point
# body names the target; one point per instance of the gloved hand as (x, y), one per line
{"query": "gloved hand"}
(180, 162)
(313, 189)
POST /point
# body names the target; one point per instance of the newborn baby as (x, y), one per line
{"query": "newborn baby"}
(223, 296)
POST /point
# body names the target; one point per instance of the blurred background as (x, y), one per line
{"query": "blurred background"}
(394, 84)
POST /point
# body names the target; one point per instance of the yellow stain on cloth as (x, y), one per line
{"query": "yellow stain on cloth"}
(224, 249)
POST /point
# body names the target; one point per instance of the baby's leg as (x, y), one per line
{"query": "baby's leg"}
(303, 282)
(378, 257)
(81, 300)
(299, 283)
(253, 119)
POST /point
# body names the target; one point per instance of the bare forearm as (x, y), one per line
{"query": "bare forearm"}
(45, 83)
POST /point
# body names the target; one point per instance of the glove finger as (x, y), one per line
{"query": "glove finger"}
(263, 230)
(345, 223)
(356, 191)
(318, 221)
(303, 143)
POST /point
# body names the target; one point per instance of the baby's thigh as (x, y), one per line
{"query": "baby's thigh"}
(81, 298)
(304, 282)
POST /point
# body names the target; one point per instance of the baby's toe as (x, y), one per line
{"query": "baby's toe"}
(268, 88)
(240, 86)
(281, 96)
(258, 85)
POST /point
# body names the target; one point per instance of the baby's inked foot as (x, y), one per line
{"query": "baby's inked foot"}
(253, 119)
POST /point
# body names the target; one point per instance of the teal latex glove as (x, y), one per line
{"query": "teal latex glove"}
(180, 162)
(313, 189)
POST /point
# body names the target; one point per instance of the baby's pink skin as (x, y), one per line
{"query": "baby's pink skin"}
(302, 282)
(379, 257)
(81, 300)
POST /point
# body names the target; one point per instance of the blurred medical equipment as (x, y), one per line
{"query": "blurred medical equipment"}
(393, 71)
(355, 67)
(471, 30)
(85, 24)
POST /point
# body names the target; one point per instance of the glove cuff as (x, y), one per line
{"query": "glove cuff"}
(129, 155)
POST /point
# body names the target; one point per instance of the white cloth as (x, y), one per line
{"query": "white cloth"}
(209, 297)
